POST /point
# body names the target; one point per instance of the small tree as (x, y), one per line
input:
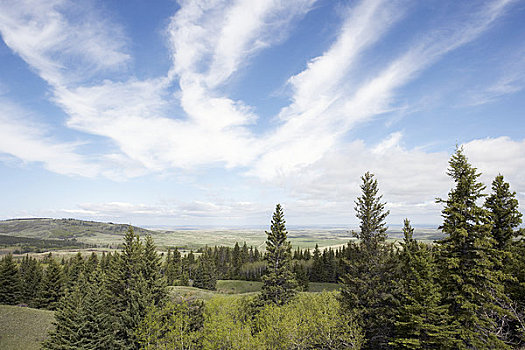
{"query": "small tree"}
(279, 284)
(421, 322)
(9, 281)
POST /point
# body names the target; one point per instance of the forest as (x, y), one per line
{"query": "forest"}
(465, 291)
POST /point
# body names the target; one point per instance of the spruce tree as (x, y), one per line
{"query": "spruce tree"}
(472, 283)
(9, 281)
(51, 288)
(205, 275)
(421, 322)
(279, 284)
(503, 211)
(506, 219)
(30, 272)
(371, 213)
(367, 285)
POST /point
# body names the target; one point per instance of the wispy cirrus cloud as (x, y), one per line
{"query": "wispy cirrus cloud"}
(345, 105)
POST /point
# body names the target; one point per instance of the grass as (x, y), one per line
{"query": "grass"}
(235, 287)
(23, 327)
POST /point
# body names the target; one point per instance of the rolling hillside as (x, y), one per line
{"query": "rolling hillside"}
(64, 228)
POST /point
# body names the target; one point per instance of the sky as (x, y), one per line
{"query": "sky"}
(198, 112)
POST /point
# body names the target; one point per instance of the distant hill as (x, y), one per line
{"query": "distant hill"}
(64, 228)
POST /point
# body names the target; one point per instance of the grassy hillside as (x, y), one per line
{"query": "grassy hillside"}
(23, 327)
(64, 229)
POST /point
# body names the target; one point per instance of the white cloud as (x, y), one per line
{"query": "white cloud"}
(304, 138)
(31, 142)
(63, 41)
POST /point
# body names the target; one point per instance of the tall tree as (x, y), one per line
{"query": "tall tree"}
(366, 287)
(279, 284)
(421, 322)
(503, 211)
(472, 285)
(506, 219)
(371, 213)
(131, 293)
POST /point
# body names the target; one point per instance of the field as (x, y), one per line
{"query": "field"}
(235, 287)
(23, 327)
(109, 235)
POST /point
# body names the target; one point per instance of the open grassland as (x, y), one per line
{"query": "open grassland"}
(235, 287)
(109, 236)
(23, 327)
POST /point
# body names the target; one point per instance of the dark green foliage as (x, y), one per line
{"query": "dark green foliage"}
(503, 211)
(421, 322)
(30, 272)
(9, 281)
(279, 285)
(301, 275)
(172, 267)
(81, 318)
(367, 285)
(205, 276)
(156, 284)
(371, 213)
(131, 288)
(472, 282)
(52, 286)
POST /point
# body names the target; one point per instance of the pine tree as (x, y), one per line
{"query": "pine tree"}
(421, 322)
(503, 211)
(131, 287)
(52, 286)
(205, 276)
(366, 287)
(506, 219)
(152, 271)
(30, 272)
(82, 319)
(9, 281)
(472, 284)
(371, 213)
(279, 285)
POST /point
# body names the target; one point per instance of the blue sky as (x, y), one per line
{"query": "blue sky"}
(211, 112)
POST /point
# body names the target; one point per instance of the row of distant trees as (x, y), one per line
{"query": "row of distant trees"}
(466, 291)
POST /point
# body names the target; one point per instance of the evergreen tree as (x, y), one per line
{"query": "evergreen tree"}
(30, 272)
(317, 266)
(506, 219)
(152, 272)
(421, 322)
(236, 262)
(472, 283)
(82, 319)
(205, 276)
(367, 285)
(131, 287)
(52, 286)
(9, 281)
(279, 285)
(503, 211)
(371, 213)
